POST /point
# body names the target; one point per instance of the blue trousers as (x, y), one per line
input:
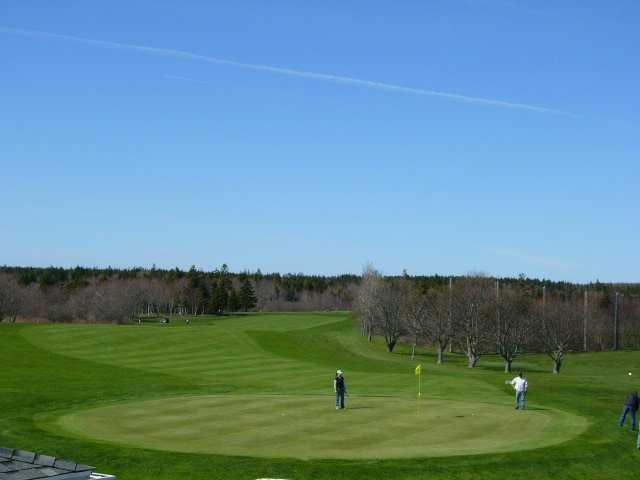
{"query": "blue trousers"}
(520, 400)
(634, 416)
(340, 399)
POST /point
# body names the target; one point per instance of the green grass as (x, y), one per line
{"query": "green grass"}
(307, 427)
(250, 397)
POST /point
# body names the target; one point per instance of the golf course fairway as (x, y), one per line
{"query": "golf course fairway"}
(251, 396)
(306, 426)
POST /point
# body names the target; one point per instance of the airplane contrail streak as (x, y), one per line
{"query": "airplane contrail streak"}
(169, 52)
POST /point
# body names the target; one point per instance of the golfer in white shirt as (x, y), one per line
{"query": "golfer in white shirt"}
(520, 385)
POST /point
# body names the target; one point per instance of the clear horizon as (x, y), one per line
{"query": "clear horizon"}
(451, 137)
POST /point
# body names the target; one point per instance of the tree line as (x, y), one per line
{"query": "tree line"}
(123, 295)
(478, 315)
(471, 314)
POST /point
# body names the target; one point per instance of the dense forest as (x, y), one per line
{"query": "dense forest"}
(118, 295)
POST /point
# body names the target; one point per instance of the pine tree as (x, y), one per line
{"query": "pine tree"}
(219, 298)
(234, 300)
(197, 291)
(202, 295)
(247, 295)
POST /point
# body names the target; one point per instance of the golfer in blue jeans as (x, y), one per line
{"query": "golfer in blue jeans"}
(340, 388)
(521, 386)
(631, 406)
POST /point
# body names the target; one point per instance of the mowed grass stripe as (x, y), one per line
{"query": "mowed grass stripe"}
(177, 354)
(208, 364)
(136, 342)
(155, 354)
(152, 354)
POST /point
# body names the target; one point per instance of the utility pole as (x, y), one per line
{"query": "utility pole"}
(498, 315)
(615, 323)
(544, 299)
(451, 314)
(585, 345)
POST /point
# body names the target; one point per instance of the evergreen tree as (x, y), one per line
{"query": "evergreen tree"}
(52, 276)
(248, 299)
(224, 277)
(78, 278)
(27, 277)
(219, 298)
(197, 291)
(234, 300)
(193, 277)
(202, 294)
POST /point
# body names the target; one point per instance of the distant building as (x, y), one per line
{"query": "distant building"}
(24, 465)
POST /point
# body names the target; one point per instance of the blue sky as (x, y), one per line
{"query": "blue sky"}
(318, 143)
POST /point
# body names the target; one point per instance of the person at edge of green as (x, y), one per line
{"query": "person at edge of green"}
(520, 385)
(340, 389)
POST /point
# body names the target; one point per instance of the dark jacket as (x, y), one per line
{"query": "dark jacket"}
(633, 401)
(340, 386)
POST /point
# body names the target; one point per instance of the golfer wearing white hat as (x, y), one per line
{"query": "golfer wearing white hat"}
(340, 388)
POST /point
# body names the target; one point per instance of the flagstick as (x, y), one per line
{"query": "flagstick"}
(419, 393)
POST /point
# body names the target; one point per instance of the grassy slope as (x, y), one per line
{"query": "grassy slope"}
(64, 368)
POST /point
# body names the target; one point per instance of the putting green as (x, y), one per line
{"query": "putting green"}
(309, 427)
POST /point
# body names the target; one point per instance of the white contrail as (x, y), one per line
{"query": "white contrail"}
(169, 52)
(185, 79)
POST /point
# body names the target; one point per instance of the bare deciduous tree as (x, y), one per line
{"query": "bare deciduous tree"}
(112, 303)
(429, 319)
(561, 321)
(473, 315)
(10, 298)
(389, 313)
(514, 312)
(367, 301)
(415, 314)
(440, 327)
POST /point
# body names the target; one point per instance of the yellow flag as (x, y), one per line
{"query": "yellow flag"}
(419, 370)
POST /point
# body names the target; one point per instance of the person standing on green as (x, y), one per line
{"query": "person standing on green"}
(520, 385)
(340, 388)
